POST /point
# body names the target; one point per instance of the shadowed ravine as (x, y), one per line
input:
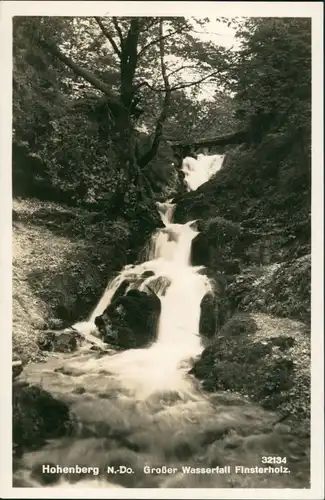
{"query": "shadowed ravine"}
(141, 408)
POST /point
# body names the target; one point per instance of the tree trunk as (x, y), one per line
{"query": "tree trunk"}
(132, 188)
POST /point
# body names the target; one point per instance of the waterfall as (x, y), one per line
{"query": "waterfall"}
(166, 211)
(150, 392)
(200, 170)
(160, 367)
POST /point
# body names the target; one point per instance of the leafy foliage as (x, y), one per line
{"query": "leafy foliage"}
(90, 102)
(272, 75)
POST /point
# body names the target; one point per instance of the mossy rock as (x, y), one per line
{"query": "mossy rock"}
(37, 417)
(208, 320)
(262, 357)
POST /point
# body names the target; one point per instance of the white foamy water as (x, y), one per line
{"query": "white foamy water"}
(161, 366)
(140, 408)
(200, 170)
(166, 211)
(155, 395)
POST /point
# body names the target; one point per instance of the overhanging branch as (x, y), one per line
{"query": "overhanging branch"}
(177, 87)
(185, 66)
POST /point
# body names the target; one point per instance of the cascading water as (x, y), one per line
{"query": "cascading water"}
(168, 253)
(140, 409)
(200, 170)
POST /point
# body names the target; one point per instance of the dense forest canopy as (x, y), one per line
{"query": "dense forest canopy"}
(95, 99)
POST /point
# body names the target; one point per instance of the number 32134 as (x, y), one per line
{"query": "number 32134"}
(274, 460)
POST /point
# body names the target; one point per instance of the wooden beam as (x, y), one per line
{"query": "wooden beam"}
(235, 138)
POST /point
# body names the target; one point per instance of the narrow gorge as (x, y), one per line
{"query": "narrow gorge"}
(155, 393)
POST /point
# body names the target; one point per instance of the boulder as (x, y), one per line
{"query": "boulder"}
(159, 285)
(70, 339)
(121, 289)
(130, 320)
(238, 325)
(66, 340)
(208, 321)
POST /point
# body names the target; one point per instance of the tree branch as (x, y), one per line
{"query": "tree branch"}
(162, 58)
(177, 87)
(197, 82)
(157, 40)
(149, 155)
(51, 47)
(118, 30)
(177, 70)
(108, 36)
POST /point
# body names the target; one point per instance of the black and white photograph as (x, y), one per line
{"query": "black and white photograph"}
(161, 226)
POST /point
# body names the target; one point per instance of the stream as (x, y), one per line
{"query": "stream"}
(142, 419)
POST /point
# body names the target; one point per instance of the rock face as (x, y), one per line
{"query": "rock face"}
(214, 306)
(218, 245)
(130, 320)
(263, 357)
(255, 241)
(142, 225)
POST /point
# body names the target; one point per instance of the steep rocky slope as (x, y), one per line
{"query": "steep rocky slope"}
(62, 259)
(254, 222)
